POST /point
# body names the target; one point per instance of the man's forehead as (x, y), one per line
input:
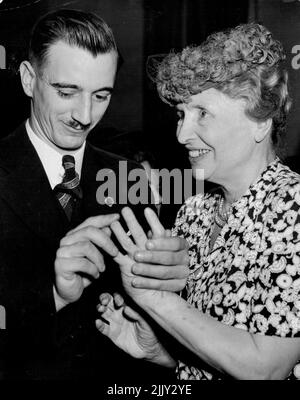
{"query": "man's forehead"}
(65, 62)
(61, 51)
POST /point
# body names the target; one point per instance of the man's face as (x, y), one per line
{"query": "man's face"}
(70, 94)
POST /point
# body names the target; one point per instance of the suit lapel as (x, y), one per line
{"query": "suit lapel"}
(90, 167)
(26, 189)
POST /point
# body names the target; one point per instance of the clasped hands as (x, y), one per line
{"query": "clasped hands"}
(160, 263)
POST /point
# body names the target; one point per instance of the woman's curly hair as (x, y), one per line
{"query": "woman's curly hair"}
(244, 63)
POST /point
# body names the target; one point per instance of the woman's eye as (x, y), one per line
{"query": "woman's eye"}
(202, 113)
(179, 115)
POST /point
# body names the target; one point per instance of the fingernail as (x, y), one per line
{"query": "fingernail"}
(138, 256)
(150, 245)
(135, 283)
(134, 269)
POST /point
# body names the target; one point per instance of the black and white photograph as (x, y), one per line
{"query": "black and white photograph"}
(149, 194)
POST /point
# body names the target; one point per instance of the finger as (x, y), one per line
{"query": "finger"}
(101, 308)
(95, 235)
(83, 249)
(102, 326)
(162, 257)
(174, 243)
(100, 221)
(67, 267)
(105, 298)
(161, 271)
(107, 231)
(156, 227)
(118, 300)
(168, 233)
(106, 303)
(135, 228)
(122, 237)
(131, 314)
(86, 281)
(123, 260)
(172, 285)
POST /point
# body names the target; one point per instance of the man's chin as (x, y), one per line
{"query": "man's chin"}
(70, 145)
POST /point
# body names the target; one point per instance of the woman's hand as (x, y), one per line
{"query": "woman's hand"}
(129, 331)
(162, 267)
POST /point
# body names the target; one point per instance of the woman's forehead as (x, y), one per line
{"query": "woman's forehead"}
(212, 99)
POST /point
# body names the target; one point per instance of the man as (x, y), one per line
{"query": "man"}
(55, 251)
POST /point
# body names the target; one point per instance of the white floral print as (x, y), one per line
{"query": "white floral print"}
(250, 279)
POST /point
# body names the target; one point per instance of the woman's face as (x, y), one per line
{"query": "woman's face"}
(219, 137)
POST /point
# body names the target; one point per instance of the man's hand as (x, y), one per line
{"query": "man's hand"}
(158, 264)
(129, 330)
(78, 259)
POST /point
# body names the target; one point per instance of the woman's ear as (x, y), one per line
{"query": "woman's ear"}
(263, 128)
(28, 77)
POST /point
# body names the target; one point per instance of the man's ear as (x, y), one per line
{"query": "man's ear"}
(28, 77)
(263, 129)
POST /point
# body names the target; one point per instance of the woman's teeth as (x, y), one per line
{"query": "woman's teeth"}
(198, 153)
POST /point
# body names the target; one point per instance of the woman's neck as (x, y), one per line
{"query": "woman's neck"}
(237, 187)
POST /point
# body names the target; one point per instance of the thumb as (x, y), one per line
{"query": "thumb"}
(131, 314)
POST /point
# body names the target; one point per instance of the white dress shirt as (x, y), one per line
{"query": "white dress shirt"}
(52, 159)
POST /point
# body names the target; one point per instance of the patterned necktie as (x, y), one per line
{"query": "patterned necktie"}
(69, 192)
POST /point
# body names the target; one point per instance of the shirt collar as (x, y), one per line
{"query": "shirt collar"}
(51, 159)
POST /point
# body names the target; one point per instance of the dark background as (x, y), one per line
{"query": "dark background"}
(136, 117)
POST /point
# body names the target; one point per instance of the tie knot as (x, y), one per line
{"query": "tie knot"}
(68, 192)
(68, 162)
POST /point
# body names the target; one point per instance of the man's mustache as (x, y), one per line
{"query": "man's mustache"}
(78, 125)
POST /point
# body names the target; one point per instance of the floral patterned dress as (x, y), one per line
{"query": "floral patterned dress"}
(250, 279)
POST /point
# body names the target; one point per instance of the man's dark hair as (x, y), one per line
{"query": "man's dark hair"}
(74, 27)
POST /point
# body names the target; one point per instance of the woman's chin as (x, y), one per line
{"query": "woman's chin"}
(198, 173)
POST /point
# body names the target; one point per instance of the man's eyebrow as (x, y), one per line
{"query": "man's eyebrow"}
(62, 85)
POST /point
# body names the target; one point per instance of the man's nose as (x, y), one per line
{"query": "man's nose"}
(82, 112)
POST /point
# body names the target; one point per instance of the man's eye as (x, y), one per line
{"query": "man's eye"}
(102, 97)
(64, 94)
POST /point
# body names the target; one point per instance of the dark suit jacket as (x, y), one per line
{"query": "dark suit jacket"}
(40, 343)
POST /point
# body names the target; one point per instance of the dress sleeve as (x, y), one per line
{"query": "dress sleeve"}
(276, 301)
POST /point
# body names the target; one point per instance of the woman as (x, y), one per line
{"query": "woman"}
(240, 314)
